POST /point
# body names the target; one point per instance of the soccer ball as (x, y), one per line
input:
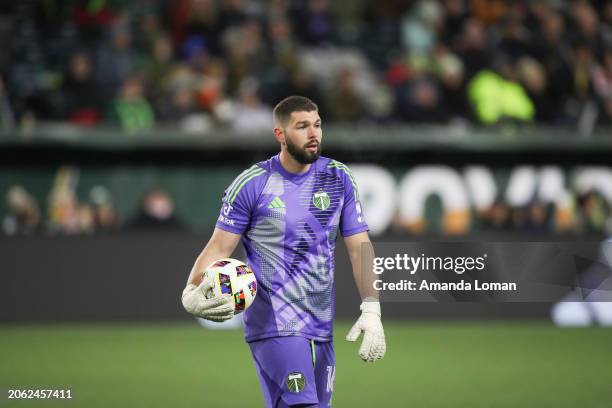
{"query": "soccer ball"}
(233, 278)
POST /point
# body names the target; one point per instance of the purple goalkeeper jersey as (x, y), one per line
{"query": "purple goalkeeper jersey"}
(289, 224)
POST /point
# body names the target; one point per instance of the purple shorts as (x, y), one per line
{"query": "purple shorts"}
(294, 370)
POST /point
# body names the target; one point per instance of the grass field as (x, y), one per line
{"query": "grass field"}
(427, 365)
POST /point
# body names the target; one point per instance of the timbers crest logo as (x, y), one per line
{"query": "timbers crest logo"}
(296, 382)
(321, 200)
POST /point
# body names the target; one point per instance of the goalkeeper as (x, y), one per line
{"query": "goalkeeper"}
(288, 211)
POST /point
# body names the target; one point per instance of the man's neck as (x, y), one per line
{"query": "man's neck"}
(292, 165)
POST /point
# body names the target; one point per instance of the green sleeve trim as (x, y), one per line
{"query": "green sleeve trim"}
(238, 180)
(245, 180)
(347, 171)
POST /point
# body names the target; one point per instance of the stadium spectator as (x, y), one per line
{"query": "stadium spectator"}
(92, 18)
(420, 27)
(131, 110)
(419, 101)
(158, 67)
(245, 51)
(81, 104)
(593, 212)
(552, 49)
(497, 216)
(606, 117)
(456, 12)
(236, 12)
(156, 212)
(540, 217)
(86, 217)
(195, 17)
(116, 59)
(315, 23)
(178, 105)
(450, 74)
(516, 37)
(343, 100)
(7, 118)
(105, 216)
(251, 117)
(212, 88)
(496, 97)
(606, 25)
(148, 31)
(602, 83)
(585, 24)
(64, 215)
(283, 46)
(533, 78)
(471, 47)
(195, 52)
(23, 213)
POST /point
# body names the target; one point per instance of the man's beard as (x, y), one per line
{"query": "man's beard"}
(301, 155)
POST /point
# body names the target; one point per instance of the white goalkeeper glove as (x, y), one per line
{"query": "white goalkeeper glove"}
(373, 346)
(216, 309)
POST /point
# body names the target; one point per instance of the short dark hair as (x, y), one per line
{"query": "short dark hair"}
(283, 110)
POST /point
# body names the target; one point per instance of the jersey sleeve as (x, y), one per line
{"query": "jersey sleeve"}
(238, 201)
(351, 219)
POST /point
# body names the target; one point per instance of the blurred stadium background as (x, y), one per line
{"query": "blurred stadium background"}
(121, 122)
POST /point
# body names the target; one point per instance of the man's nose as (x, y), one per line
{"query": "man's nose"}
(312, 132)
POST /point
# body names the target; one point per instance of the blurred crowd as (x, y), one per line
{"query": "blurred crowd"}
(199, 64)
(65, 214)
(590, 214)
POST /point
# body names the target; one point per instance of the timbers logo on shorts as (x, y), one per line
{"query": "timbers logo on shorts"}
(296, 382)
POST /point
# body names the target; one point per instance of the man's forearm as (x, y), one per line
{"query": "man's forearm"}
(220, 245)
(208, 255)
(362, 257)
(373, 346)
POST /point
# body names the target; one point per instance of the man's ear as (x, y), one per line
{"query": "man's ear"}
(279, 135)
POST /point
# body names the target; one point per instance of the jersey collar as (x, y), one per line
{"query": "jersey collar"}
(293, 177)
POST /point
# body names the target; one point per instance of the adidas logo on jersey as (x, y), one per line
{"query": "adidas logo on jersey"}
(277, 203)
